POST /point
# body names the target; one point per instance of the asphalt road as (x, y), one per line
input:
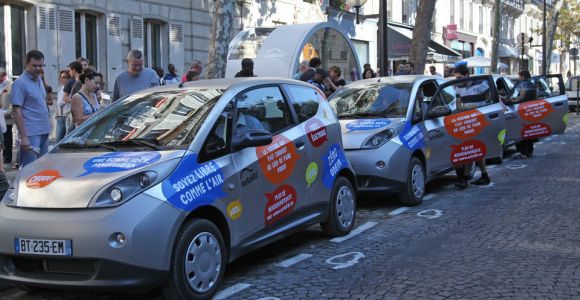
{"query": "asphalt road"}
(517, 238)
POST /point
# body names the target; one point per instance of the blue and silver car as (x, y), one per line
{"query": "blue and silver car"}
(165, 187)
(401, 132)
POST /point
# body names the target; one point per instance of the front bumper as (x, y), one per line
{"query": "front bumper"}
(372, 180)
(149, 225)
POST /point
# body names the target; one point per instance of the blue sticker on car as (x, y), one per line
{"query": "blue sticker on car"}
(333, 161)
(192, 185)
(119, 162)
(412, 137)
(368, 124)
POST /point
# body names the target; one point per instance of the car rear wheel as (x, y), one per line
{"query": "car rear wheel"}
(415, 186)
(198, 263)
(342, 209)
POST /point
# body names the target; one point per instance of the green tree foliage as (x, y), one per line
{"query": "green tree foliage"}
(568, 24)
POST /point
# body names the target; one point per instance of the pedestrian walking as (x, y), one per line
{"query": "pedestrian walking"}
(247, 68)
(303, 67)
(135, 79)
(85, 102)
(171, 77)
(5, 88)
(63, 122)
(433, 71)
(314, 64)
(368, 73)
(28, 98)
(196, 67)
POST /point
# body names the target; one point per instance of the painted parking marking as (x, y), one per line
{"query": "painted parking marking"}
(355, 232)
(429, 197)
(269, 298)
(516, 167)
(399, 211)
(430, 213)
(492, 166)
(294, 260)
(343, 261)
(231, 291)
(568, 179)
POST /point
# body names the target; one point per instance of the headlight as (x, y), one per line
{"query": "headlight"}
(125, 189)
(9, 196)
(378, 139)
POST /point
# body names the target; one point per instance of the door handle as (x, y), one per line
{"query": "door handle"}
(494, 116)
(558, 103)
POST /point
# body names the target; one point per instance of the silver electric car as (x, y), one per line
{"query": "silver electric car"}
(535, 115)
(401, 132)
(165, 187)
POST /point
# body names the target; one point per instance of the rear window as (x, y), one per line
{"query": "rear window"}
(305, 101)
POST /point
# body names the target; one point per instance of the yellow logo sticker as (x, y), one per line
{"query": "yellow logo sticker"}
(501, 137)
(235, 209)
(428, 153)
(566, 118)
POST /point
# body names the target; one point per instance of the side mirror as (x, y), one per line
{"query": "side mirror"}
(252, 138)
(438, 111)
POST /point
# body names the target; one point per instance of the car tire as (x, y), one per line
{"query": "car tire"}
(341, 209)
(414, 190)
(198, 238)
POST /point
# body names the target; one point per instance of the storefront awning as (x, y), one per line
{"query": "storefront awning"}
(400, 40)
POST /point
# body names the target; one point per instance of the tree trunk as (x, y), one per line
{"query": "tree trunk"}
(551, 32)
(496, 29)
(422, 34)
(222, 18)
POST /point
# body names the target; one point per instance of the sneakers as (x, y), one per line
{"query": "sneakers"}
(483, 180)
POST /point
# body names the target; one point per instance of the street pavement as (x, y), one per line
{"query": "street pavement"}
(517, 238)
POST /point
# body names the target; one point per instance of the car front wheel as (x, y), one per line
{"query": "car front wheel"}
(198, 263)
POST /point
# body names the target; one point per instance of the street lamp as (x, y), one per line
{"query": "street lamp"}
(357, 5)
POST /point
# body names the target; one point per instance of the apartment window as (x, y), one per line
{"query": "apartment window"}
(471, 16)
(452, 6)
(18, 39)
(461, 14)
(405, 10)
(480, 19)
(389, 10)
(153, 44)
(86, 35)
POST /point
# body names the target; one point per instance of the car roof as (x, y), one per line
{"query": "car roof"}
(394, 79)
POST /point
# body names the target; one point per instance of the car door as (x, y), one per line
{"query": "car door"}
(512, 121)
(271, 177)
(556, 96)
(317, 128)
(473, 119)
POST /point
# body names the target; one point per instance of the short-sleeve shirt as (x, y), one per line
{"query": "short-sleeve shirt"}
(29, 94)
(69, 86)
(127, 84)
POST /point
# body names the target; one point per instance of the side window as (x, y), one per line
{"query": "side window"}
(554, 86)
(424, 97)
(542, 88)
(446, 97)
(472, 93)
(304, 100)
(217, 143)
(262, 109)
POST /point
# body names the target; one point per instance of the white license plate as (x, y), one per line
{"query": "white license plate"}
(43, 247)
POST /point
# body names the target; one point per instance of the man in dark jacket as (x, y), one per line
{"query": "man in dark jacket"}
(315, 63)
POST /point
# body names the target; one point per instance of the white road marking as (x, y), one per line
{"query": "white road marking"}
(430, 213)
(269, 298)
(355, 232)
(356, 256)
(516, 167)
(231, 290)
(492, 166)
(294, 260)
(429, 197)
(399, 211)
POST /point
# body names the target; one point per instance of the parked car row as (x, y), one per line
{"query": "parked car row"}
(167, 186)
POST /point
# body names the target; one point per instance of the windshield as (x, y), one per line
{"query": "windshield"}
(372, 101)
(164, 120)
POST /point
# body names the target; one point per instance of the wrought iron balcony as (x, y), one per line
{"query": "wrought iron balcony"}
(513, 7)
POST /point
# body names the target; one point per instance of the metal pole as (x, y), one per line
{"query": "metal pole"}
(544, 40)
(577, 94)
(384, 47)
(523, 49)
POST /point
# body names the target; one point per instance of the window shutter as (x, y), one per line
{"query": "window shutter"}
(136, 32)
(114, 50)
(46, 26)
(177, 47)
(66, 36)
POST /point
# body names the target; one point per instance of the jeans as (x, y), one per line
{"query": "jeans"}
(36, 141)
(63, 127)
(8, 145)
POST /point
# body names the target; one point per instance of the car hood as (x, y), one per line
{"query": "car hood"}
(356, 131)
(72, 180)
